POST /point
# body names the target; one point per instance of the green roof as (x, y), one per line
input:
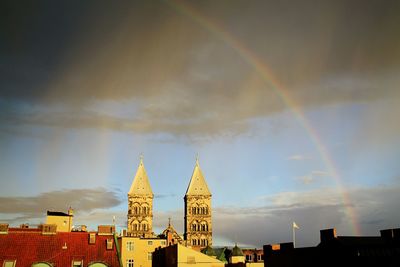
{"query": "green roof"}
(236, 251)
(209, 251)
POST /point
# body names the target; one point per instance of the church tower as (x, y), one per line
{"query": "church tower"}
(140, 205)
(198, 228)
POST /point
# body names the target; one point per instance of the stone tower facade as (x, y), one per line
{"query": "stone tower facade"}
(140, 205)
(197, 225)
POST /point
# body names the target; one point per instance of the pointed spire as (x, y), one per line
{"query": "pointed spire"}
(197, 184)
(141, 184)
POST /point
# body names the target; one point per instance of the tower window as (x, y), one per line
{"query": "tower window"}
(129, 263)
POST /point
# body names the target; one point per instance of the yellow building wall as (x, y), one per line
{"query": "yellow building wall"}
(188, 257)
(140, 251)
(255, 264)
(64, 223)
(237, 259)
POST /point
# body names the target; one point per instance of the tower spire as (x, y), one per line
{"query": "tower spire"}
(197, 184)
(140, 204)
(198, 225)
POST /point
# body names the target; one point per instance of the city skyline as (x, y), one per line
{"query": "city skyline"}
(292, 109)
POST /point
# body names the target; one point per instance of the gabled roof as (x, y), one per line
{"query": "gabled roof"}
(141, 184)
(28, 246)
(197, 184)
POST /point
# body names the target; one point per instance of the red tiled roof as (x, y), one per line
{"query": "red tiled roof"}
(28, 246)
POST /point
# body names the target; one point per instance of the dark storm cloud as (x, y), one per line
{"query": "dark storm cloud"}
(82, 200)
(182, 77)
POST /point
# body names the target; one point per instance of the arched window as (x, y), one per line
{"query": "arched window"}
(97, 264)
(42, 264)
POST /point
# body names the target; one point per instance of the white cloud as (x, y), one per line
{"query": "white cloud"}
(298, 157)
(313, 176)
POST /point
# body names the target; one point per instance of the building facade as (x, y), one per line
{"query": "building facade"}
(140, 205)
(197, 220)
(181, 256)
(136, 251)
(64, 221)
(333, 250)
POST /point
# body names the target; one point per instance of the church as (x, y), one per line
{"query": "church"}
(197, 209)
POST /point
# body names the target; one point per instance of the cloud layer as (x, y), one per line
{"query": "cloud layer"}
(83, 201)
(312, 211)
(254, 226)
(174, 76)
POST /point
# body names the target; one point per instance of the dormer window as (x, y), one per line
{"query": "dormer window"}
(9, 263)
(109, 244)
(76, 263)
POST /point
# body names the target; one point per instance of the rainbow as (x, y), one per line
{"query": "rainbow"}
(265, 72)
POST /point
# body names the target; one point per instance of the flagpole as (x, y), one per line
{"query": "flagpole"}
(294, 236)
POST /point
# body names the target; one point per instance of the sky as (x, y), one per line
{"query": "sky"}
(291, 106)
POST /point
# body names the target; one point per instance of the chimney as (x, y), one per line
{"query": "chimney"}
(106, 229)
(327, 235)
(387, 235)
(70, 212)
(24, 226)
(267, 250)
(3, 228)
(396, 235)
(49, 229)
(286, 246)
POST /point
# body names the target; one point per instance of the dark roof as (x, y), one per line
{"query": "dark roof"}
(361, 240)
(27, 246)
(57, 213)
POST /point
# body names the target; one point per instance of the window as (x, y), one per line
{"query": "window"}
(149, 256)
(41, 264)
(97, 264)
(150, 242)
(248, 257)
(259, 257)
(92, 238)
(163, 243)
(9, 263)
(109, 244)
(191, 259)
(129, 246)
(77, 263)
(129, 263)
